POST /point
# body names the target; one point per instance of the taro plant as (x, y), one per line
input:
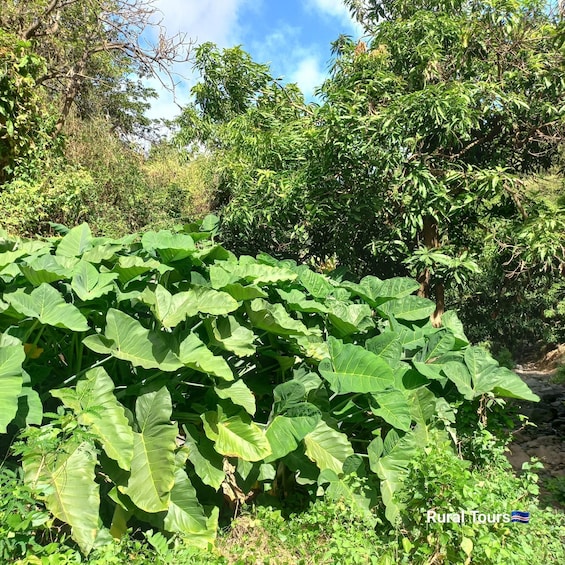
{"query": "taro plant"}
(154, 378)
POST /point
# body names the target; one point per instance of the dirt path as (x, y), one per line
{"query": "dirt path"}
(546, 440)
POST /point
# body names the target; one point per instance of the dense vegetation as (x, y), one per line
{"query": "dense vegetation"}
(313, 345)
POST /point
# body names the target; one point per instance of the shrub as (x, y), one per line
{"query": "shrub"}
(159, 379)
(441, 482)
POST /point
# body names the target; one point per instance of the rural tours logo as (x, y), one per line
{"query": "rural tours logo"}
(476, 517)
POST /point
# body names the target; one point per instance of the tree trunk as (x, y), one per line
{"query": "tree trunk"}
(430, 235)
(431, 240)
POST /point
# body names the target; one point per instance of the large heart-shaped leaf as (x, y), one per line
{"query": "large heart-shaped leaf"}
(393, 408)
(186, 516)
(11, 381)
(208, 463)
(350, 318)
(317, 285)
(172, 309)
(352, 368)
(97, 408)
(170, 246)
(153, 462)
(273, 318)
(327, 447)
(70, 492)
(296, 300)
(89, 284)
(284, 432)
(48, 306)
(411, 308)
(194, 354)
(228, 333)
(76, 242)
(238, 392)
(390, 462)
(387, 345)
(236, 436)
(125, 338)
(43, 269)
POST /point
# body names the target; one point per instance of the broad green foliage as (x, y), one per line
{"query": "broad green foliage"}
(171, 363)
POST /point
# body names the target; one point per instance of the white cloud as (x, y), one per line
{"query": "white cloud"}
(336, 9)
(200, 21)
(301, 63)
(308, 75)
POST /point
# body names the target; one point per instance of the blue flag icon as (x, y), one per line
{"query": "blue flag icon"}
(517, 516)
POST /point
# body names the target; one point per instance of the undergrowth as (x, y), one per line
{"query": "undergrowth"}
(331, 531)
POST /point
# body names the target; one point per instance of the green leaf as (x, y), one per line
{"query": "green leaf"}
(437, 345)
(393, 408)
(208, 463)
(354, 369)
(11, 381)
(153, 462)
(387, 345)
(43, 269)
(284, 432)
(89, 284)
(30, 407)
(170, 246)
(70, 492)
(193, 353)
(101, 252)
(186, 515)
(481, 368)
(240, 292)
(422, 403)
(317, 285)
(467, 546)
(392, 466)
(350, 318)
(230, 272)
(487, 376)
(510, 385)
(288, 394)
(48, 306)
(459, 375)
(238, 392)
(131, 267)
(411, 308)
(450, 321)
(76, 242)
(125, 338)
(228, 333)
(172, 309)
(236, 436)
(396, 287)
(297, 301)
(327, 447)
(99, 410)
(273, 318)
(430, 370)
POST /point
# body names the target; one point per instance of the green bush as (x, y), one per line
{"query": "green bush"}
(159, 380)
(60, 196)
(440, 481)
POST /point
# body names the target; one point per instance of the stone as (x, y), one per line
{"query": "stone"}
(516, 456)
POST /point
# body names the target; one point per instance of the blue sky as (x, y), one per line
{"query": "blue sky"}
(293, 36)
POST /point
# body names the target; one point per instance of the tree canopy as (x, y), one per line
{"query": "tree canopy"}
(424, 133)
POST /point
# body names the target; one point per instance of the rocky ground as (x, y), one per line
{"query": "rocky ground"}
(546, 439)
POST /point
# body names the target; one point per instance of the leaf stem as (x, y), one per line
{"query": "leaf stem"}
(80, 373)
